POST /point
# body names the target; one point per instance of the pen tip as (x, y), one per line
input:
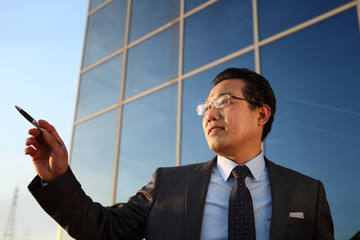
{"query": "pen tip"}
(17, 108)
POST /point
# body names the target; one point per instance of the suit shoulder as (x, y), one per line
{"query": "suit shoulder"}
(290, 172)
(186, 169)
(183, 168)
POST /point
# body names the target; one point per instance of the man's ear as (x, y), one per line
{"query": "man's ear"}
(264, 115)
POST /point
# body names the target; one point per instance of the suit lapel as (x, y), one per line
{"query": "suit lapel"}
(280, 201)
(196, 190)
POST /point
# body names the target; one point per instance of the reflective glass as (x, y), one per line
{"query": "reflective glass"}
(152, 62)
(216, 31)
(95, 3)
(194, 147)
(146, 16)
(92, 158)
(148, 140)
(290, 13)
(315, 75)
(100, 87)
(105, 32)
(191, 4)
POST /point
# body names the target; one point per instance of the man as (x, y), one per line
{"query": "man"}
(199, 201)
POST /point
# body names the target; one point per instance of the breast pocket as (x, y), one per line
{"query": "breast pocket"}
(298, 221)
(298, 229)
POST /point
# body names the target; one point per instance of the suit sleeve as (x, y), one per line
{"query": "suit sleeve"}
(324, 228)
(66, 202)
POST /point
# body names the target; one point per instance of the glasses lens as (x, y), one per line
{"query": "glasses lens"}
(222, 101)
(200, 109)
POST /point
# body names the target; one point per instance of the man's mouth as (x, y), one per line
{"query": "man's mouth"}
(215, 129)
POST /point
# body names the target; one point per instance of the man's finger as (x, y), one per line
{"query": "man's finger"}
(33, 141)
(34, 132)
(30, 151)
(51, 129)
(55, 145)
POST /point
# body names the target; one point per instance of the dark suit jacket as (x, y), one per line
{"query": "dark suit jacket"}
(171, 206)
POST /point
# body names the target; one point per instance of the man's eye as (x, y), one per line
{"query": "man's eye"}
(222, 102)
(206, 108)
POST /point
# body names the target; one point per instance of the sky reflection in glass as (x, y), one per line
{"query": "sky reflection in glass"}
(100, 87)
(290, 13)
(217, 31)
(146, 16)
(148, 140)
(152, 62)
(105, 32)
(191, 4)
(316, 129)
(92, 158)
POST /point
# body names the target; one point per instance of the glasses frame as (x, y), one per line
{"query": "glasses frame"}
(213, 103)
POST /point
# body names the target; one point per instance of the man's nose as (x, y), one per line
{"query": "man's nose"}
(213, 114)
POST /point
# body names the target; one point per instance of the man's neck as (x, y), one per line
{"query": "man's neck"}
(242, 157)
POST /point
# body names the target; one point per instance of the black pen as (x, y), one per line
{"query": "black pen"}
(31, 120)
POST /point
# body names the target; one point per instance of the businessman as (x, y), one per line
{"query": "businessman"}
(239, 194)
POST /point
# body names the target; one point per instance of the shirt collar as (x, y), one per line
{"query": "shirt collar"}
(256, 166)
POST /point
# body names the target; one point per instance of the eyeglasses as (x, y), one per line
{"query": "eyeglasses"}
(221, 102)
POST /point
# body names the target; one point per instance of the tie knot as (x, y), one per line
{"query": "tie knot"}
(240, 172)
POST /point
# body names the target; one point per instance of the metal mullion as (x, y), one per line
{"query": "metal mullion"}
(218, 62)
(102, 5)
(256, 36)
(150, 91)
(180, 72)
(121, 105)
(129, 100)
(358, 11)
(271, 39)
(153, 33)
(256, 45)
(199, 8)
(96, 114)
(171, 23)
(78, 87)
(101, 61)
(308, 23)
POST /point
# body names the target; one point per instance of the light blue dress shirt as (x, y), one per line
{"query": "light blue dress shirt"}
(215, 219)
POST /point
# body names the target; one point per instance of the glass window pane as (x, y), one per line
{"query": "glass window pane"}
(95, 3)
(99, 87)
(278, 15)
(146, 16)
(191, 4)
(148, 140)
(315, 75)
(152, 62)
(105, 33)
(92, 158)
(217, 31)
(194, 147)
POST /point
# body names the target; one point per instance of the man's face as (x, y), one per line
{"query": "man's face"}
(235, 127)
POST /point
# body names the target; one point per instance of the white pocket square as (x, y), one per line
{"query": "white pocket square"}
(297, 215)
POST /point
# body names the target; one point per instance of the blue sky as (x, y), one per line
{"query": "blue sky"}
(40, 53)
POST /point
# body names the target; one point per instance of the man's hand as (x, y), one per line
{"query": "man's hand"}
(47, 151)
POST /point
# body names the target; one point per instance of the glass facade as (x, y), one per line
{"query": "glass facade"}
(147, 65)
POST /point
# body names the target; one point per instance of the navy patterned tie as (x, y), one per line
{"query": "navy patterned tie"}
(241, 212)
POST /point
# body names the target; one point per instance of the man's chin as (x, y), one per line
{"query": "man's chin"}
(217, 147)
